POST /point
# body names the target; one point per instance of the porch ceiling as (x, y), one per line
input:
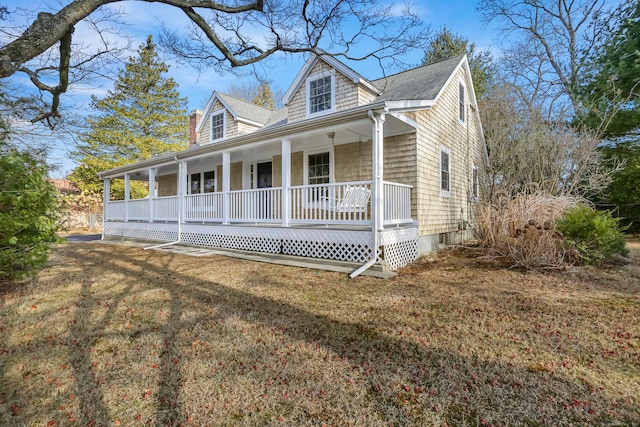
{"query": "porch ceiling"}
(344, 133)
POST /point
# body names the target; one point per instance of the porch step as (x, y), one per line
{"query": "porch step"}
(379, 270)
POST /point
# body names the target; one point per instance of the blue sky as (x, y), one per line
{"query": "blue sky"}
(146, 18)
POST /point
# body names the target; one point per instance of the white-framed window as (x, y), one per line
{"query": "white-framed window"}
(445, 172)
(321, 94)
(217, 124)
(475, 183)
(318, 170)
(461, 103)
(202, 182)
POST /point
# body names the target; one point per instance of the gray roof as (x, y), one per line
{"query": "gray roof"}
(247, 110)
(419, 83)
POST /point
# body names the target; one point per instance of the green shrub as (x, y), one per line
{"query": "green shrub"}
(591, 236)
(28, 213)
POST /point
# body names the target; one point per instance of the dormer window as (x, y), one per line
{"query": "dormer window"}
(217, 125)
(320, 94)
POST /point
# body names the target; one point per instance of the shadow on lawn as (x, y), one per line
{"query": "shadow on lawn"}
(440, 371)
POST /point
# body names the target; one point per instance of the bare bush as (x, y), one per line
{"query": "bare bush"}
(522, 228)
(529, 152)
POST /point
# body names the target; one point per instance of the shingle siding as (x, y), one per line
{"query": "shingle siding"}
(438, 127)
(167, 185)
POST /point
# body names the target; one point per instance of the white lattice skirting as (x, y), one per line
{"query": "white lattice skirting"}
(398, 246)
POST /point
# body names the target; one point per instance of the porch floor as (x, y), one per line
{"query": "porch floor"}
(378, 270)
(319, 226)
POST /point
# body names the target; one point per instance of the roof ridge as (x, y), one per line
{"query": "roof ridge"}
(419, 67)
(245, 101)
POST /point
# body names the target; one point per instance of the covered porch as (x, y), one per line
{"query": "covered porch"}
(285, 195)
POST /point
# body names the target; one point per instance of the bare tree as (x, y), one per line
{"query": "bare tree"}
(259, 93)
(221, 36)
(553, 42)
(528, 152)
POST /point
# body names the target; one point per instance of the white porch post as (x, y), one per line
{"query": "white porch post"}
(377, 185)
(106, 196)
(286, 181)
(182, 175)
(127, 195)
(226, 186)
(152, 192)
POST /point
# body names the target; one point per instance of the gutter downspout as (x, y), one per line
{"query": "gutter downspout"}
(377, 154)
(180, 210)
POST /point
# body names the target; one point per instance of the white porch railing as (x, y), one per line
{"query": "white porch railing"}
(115, 210)
(344, 203)
(338, 203)
(138, 209)
(259, 205)
(397, 203)
(165, 208)
(203, 207)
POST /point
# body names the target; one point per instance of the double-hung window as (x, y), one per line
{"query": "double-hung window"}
(320, 94)
(461, 103)
(317, 172)
(217, 125)
(319, 168)
(202, 182)
(445, 172)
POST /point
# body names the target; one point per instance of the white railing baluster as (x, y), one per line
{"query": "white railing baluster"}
(341, 203)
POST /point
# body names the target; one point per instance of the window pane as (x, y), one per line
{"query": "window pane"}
(209, 182)
(461, 103)
(319, 171)
(217, 126)
(195, 183)
(444, 171)
(320, 94)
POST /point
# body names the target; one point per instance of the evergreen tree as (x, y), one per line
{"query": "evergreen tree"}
(141, 117)
(612, 89)
(445, 45)
(29, 210)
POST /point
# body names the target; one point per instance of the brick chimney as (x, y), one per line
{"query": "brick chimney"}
(194, 119)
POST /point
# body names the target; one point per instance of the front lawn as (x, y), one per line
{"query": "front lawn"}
(114, 335)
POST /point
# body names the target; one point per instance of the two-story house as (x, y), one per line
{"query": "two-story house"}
(350, 169)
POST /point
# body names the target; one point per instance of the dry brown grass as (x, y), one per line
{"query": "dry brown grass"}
(113, 335)
(521, 229)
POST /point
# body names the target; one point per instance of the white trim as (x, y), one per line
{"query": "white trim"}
(410, 105)
(305, 169)
(446, 84)
(313, 78)
(444, 193)
(222, 111)
(248, 122)
(405, 119)
(305, 163)
(332, 62)
(205, 113)
(254, 184)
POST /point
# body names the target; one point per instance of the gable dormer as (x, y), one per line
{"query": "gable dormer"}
(323, 86)
(225, 117)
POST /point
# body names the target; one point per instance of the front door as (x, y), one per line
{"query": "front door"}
(264, 175)
(264, 198)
